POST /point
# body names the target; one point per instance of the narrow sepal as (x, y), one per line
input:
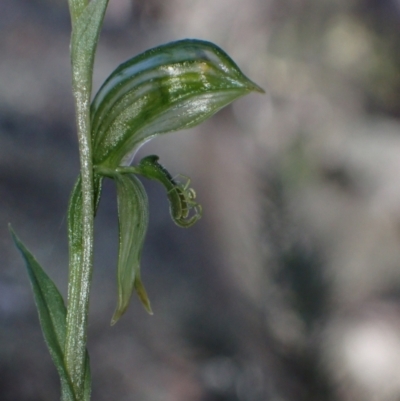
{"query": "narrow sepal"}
(168, 88)
(133, 221)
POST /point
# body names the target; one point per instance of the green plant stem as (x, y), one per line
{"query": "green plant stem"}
(80, 273)
(75, 9)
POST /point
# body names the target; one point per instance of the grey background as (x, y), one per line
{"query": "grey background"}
(288, 288)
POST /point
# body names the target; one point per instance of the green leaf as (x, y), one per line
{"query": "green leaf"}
(133, 220)
(168, 88)
(52, 315)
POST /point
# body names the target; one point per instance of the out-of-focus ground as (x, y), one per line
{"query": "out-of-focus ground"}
(289, 288)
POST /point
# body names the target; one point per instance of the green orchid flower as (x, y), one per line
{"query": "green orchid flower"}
(165, 89)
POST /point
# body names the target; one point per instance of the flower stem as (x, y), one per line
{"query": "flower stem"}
(75, 9)
(81, 270)
(81, 261)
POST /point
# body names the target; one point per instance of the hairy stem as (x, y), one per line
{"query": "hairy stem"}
(75, 9)
(81, 270)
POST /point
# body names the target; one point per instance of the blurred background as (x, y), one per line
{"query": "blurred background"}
(288, 289)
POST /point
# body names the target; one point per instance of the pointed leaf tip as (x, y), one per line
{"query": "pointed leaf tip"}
(256, 88)
(142, 294)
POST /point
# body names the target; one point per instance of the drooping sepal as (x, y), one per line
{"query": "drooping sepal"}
(168, 88)
(184, 209)
(133, 221)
